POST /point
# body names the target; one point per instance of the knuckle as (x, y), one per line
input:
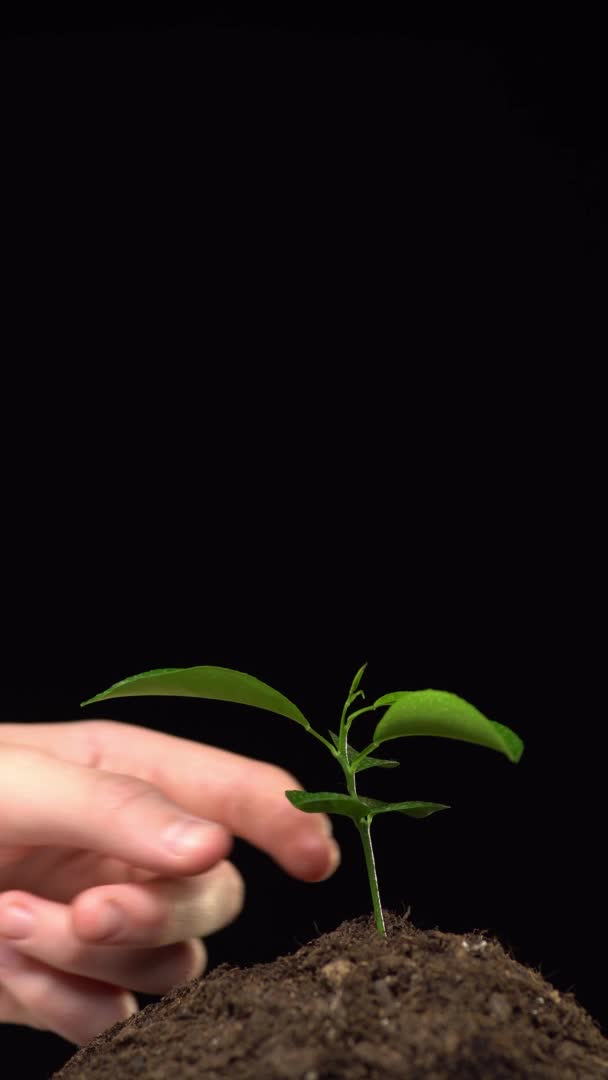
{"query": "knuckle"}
(96, 738)
(100, 723)
(92, 735)
(103, 726)
(96, 727)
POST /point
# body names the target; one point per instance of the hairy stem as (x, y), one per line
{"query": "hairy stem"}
(364, 827)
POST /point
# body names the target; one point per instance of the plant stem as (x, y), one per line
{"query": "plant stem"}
(359, 712)
(363, 754)
(364, 827)
(320, 737)
(342, 729)
(364, 824)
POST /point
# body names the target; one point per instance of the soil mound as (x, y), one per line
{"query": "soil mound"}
(352, 1005)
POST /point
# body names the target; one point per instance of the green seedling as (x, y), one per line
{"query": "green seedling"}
(408, 712)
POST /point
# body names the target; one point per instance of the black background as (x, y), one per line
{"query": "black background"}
(301, 346)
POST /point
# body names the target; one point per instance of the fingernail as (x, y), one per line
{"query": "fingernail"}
(184, 837)
(16, 921)
(109, 920)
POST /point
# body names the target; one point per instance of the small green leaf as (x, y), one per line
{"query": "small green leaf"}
(366, 762)
(438, 712)
(357, 807)
(414, 809)
(327, 802)
(217, 683)
(357, 680)
(370, 762)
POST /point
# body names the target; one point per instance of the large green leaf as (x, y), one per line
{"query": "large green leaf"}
(218, 683)
(357, 807)
(438, 712)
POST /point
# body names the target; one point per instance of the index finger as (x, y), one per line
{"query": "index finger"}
(245, 796)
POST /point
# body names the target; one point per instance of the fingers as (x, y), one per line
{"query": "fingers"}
(160, 912)
(77, 1009)
(247, 797)
(59, 953)
(47, 801)
(156, 944)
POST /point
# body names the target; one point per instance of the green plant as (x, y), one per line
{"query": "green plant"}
(408, 712)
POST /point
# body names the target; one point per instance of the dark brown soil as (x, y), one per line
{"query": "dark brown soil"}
(352, 1005)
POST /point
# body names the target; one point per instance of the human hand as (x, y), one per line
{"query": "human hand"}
(86, 809)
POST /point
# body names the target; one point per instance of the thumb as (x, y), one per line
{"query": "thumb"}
(47, 801)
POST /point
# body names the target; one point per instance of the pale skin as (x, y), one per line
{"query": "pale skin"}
(85, 808)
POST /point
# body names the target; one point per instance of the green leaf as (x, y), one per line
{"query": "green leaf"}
(370, 762)
(357, 807)
(366, 762)
(387, 699)
(357, 680)
(414, 809)
(438, 712)
(217, 683)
